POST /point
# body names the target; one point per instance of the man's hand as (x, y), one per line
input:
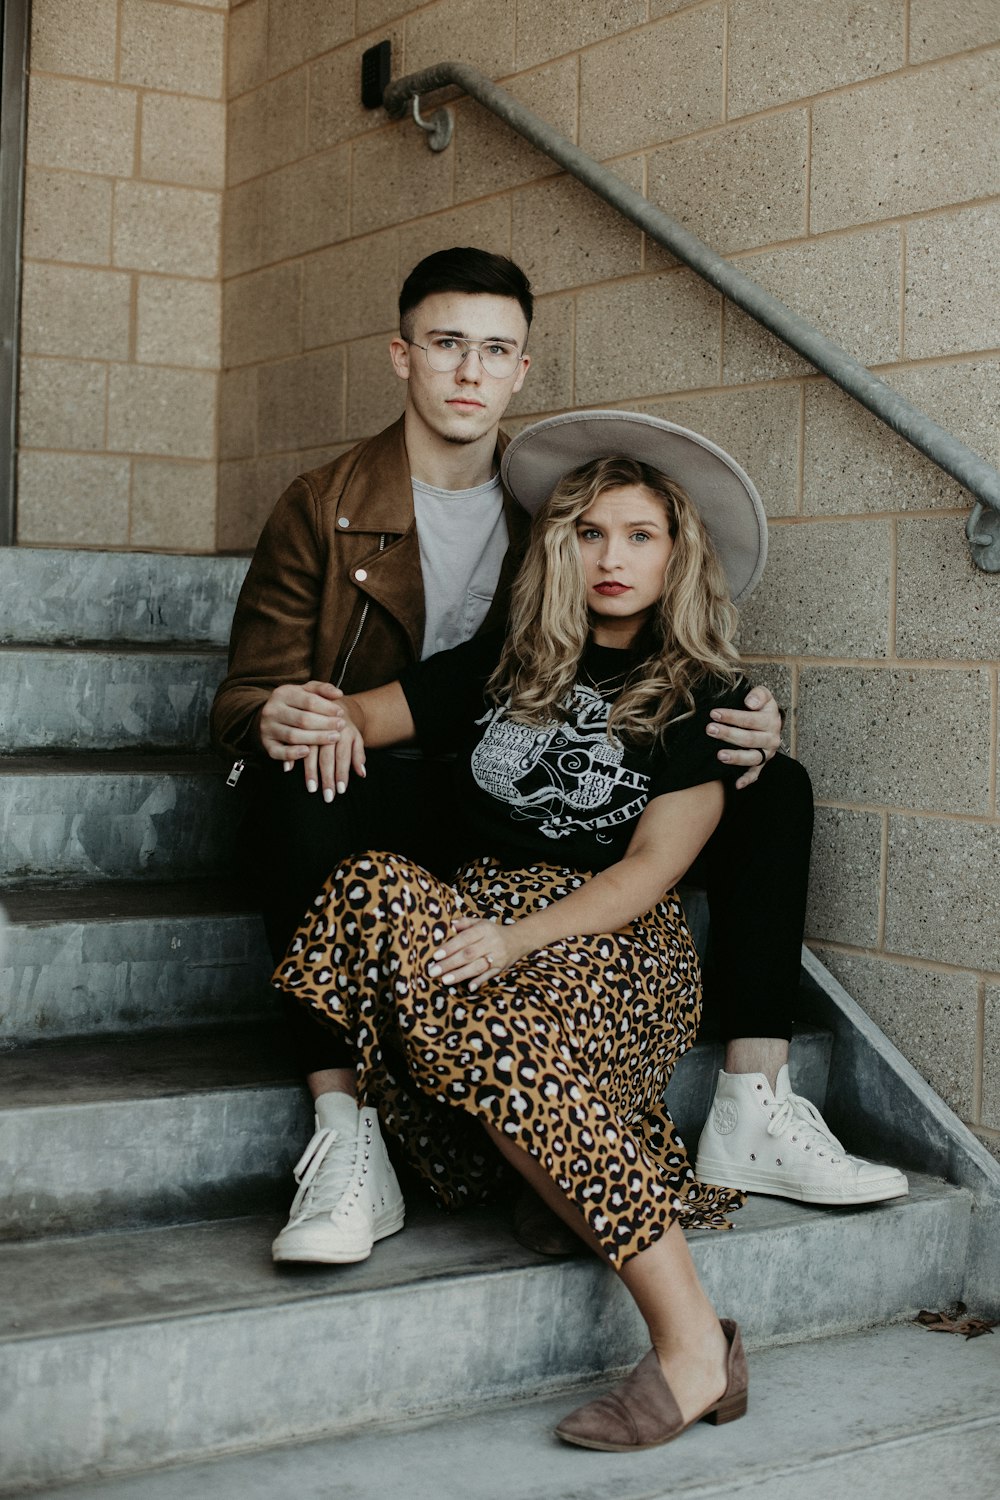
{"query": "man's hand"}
(755, 732)
(296, 721)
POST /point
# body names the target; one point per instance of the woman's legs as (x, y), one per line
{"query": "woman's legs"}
(684, 1327)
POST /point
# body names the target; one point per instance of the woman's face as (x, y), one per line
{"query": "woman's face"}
(625, 545)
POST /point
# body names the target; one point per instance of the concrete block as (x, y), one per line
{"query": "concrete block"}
(666, 336)
(966, 23)
(67, 217)
(484, 224)
(173, 505)
(246, 55)
(267, 128)
(653, 85)
(167, 229)
(374, 391)
(300, 29)
(825, 592)
(300, 402)
(945, 606)
(183, 140)
(991, 1062)
(261, 316)
(238, 413)
(242, 245)
(549, 386)
(854, 462)
(947, 310)
(78, 313)
(548, 28)
(932, 1014)
(395, 178)
(248, 490)
(458, 28)
(759, 427)
(567, 238)
(336, 113)
(845, 877)
(490, 158)
(907, 739)
(161, 411)
(114, 596)
(848, 287)
(350, 290)
(145, 818)
(693, 181)
(305, 205)
(76, 973)
(72, 499)
(941, 891)
(775, 58)
(62, 403)
(423, 1290)
(83, 127)
(74, 36)
(929, 149)
(375, 12)
(179, 322)
(172, 47)
(100, 700)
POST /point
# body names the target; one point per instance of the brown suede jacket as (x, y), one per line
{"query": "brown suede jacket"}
(334, 592)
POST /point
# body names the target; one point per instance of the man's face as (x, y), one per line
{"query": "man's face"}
(465, 404)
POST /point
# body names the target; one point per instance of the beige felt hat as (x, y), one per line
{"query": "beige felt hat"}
(727, 501)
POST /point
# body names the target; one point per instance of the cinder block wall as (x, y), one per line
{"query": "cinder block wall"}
(120, 317)
(845, 153)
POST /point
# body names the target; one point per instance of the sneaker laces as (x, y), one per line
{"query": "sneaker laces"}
(794, 1109)
(324, 1180)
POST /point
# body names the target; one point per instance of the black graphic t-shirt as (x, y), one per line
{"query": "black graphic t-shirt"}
(563, 792)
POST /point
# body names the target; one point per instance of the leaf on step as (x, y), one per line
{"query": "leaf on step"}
(956, 1321)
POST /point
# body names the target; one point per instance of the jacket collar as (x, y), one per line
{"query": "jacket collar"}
(378, 494)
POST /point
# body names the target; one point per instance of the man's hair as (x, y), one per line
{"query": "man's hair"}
(463, 269)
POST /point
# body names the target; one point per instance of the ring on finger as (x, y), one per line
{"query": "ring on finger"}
(763, 756)
(488, 960)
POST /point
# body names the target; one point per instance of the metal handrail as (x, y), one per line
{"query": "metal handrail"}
(942, 447)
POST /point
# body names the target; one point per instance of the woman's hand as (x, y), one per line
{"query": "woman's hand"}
(754, 731)
(479, 950)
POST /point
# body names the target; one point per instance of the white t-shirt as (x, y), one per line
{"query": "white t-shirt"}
(463, 542)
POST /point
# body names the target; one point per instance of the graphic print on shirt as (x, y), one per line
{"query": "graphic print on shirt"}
(565, 778)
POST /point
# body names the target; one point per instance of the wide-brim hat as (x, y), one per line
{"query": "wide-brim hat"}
(537, 458)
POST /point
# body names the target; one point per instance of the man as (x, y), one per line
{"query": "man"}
(400, 548)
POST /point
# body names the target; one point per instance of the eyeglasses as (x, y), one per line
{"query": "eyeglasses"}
(447, 352)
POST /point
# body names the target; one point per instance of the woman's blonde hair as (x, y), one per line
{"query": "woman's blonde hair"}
(687, 639)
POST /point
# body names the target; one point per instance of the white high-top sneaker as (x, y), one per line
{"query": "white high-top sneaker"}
(348, 1195)
(778, 1143)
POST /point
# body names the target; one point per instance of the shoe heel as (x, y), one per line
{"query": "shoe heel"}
(729, 1409)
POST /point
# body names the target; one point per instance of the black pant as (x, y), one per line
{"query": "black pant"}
(754, 869)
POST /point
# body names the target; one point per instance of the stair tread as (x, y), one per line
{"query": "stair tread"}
(938, 1412)
(153, 1064)
(112, 763)
(123, 900)
(92, 1281)
(112, 648)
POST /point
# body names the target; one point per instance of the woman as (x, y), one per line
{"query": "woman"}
(547, 993)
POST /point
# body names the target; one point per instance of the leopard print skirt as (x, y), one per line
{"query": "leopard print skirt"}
(567, 1051)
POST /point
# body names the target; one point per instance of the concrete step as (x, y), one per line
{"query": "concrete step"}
(73, 699)
(114, 817)
(173, 1126)
(50, 595)
(110, 958)
(886, 1413)
(120, 1352)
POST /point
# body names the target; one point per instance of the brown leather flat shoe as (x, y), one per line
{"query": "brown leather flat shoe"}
(641, 1412)
(537, 1228)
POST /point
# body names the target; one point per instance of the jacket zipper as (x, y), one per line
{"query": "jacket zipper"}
(361, 626)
